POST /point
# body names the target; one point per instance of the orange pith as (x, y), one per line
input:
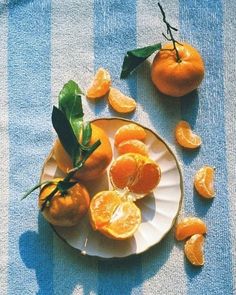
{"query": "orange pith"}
(177, 78)
(113, 216)
(193, 249)
(204, 182)
(96, 163)
(68, 209)
(129, 131)
(100, 84)
(120, 102)
(188, 227)
(185, 137)
(132, 146)
(137, 173)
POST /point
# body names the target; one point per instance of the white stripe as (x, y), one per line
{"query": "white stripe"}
(72, 58)
(230, 118)
(159, 265)
(4, 154)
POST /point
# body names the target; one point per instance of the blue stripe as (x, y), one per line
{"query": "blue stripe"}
(114, 34)
(29, 88)
(202, 25)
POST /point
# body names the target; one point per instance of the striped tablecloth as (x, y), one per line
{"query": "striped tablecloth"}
(44, 44)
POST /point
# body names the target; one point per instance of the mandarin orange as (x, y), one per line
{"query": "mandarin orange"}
(177, 78)
(193, 249)
(204, 182)
(121, 103)
(129, 131)
(100, 84)
(139, 174)
(188, 227)
(132, 146)
(95, 165)
(67, 209)
(185, 136)
(113, 216)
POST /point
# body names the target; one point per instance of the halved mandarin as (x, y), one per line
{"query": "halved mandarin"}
(100, 84)
(193, 249)
(189, 226)
(204, 182)
(113, 216)
(121, 103)
(136, 173)
(129, 131)
(185, 136)
(132, 146)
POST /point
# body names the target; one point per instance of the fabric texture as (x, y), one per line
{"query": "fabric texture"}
(44, 43)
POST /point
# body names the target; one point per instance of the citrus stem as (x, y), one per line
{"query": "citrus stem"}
(169, 32)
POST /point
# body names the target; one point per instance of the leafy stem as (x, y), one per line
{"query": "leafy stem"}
(169, 32)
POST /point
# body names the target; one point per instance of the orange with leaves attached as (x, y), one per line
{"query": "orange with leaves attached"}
(177, 78)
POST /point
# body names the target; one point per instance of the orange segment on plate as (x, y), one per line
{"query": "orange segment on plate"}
(121, 103)
(100, 84)
(137, 173)
(204, 182)
(132, 146)
(188, 227)
(193, 250)
(185, 136)
(114, 217)
(129, 131)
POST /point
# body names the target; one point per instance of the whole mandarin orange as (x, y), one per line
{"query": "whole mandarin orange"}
(95, 165)
(177, 78)
(65, 210)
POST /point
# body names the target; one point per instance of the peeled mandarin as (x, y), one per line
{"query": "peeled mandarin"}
(193, 249)
(100, 84)
(188, 227)
(185, 136)
(129, 131)
(132, 146)
(204, 182)
(121, 103)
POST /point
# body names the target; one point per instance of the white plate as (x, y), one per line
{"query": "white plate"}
(159, 210)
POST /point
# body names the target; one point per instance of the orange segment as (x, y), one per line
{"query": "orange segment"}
(129, 131)
(120, 102)
(185, 137)
(188, 227)
(193, 250)
(100, 84)
(204, 182)
(137, 173)
(113, 217)
(132, 146)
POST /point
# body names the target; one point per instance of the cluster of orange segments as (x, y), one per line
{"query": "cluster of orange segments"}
(101, 86)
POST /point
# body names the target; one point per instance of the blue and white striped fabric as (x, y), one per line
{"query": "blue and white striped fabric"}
(44, 43)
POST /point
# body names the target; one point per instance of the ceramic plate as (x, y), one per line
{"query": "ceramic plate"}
(159, 209)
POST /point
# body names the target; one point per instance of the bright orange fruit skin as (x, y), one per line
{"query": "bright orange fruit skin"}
(203, 182)
(177, 78)
(188, 227)
(95, 165)
(193, 249)
(65, 210)
(113, 216)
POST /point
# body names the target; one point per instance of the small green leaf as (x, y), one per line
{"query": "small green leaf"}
(135, 57)
(71, 105)
(63, 185)
(87, 133)
(65, 134)
(35, 187)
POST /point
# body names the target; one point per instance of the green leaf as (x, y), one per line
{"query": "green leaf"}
(35, 187)
(135, 57)
(66, 134)
(71, 105)
(87, 133)
(63, 185)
